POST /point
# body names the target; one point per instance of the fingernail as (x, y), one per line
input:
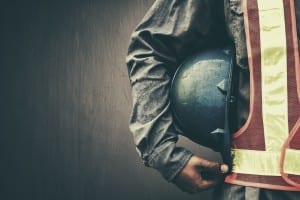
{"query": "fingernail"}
(224, 168)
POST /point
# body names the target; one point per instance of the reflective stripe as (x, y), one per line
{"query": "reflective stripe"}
(265, 162)
(292, 162)
(274, 73)
(256, 162)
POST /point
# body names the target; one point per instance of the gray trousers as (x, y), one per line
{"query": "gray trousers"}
(235, 192)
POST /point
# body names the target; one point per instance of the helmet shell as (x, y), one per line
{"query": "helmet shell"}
(200, 94)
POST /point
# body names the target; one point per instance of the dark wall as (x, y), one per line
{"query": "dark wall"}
(65, 103)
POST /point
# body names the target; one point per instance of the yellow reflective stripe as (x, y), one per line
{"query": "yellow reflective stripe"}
(274, 73)
(256, 162)
(265, 163)
(292, 162)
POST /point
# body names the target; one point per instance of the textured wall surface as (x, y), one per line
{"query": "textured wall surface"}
(65, 103)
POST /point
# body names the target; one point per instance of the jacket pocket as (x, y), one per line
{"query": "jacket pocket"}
(236, 6)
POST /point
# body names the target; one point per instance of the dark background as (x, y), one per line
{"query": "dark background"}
(65, 103)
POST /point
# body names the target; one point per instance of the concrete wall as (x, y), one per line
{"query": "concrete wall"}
(65, 103)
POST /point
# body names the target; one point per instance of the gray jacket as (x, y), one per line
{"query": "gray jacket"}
(171, 31)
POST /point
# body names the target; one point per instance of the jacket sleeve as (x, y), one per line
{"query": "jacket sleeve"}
(170, 31)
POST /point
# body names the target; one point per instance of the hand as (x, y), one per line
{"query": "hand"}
(199, 174)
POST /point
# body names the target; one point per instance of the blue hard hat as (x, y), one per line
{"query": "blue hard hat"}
(201, 97)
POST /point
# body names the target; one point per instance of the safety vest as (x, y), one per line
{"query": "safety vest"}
(266, 150)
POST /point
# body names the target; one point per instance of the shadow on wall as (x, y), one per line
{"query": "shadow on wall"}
(65, 104)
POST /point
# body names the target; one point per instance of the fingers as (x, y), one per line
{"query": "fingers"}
(203, 184)
(188, 184)
(199, 175)
(198, 186)
(210, 172)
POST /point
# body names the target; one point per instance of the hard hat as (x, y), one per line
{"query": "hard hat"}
(201, 97)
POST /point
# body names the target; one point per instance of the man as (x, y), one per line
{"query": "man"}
(171, 31)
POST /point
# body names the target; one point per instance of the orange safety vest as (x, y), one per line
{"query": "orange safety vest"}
(266, 150)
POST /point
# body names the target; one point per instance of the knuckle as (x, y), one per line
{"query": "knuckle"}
(199, 185)
(195, 176)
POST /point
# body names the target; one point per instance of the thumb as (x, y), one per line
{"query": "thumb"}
(210, 166)
(224, 168)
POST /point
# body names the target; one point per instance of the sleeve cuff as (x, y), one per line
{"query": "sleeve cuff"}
(170, 160)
